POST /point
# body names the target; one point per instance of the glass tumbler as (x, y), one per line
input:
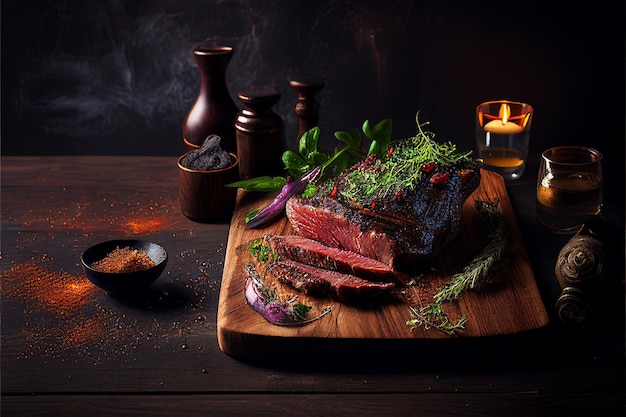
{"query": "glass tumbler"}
(569, 187)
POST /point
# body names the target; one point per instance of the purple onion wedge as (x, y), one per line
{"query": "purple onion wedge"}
(262, 300)
(277, 206)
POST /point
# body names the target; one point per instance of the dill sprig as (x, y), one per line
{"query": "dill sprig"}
(474, 274)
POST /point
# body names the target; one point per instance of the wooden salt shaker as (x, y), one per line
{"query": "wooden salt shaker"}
(307, 108)
(579, 269)
(260, 133)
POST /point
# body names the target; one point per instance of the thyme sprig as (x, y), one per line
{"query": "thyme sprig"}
(433, 316)
(402, 167)
(474, 274)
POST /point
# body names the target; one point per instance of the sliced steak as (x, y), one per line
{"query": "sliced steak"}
(311, 252)
(317, 281)
(403, 231)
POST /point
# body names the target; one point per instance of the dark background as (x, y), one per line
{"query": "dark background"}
(117, 77)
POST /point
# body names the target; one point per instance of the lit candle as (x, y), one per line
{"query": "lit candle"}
(503, 128)
(502, 125)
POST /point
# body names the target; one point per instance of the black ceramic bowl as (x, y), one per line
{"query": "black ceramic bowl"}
(123, 282)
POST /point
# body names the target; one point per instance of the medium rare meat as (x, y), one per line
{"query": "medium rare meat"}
(404, 227)
(317, 281)
(312, 252)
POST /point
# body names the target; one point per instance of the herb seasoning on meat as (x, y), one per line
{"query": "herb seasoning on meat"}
(401, 209)
(407, 162)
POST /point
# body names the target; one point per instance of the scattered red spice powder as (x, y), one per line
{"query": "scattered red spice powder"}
(124, 260)
(144, 225)
(65, 314)
(55, 292)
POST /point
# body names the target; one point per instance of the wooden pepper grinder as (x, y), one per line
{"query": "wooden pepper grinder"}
(260, 133)
(579, 269)
(307, 108)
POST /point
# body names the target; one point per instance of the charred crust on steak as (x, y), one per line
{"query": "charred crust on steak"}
(404, 229)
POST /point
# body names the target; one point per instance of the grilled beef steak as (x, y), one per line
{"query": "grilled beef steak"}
(312, 252)
(318, 281)
(405, 229)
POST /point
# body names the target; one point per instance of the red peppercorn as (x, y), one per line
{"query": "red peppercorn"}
(333, 193)
(439, 178)
(466, 175)
(399, 195)
(428, 167)
(390, 152)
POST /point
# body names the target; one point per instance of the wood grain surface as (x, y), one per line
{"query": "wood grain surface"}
(510, 303)
(158, 354)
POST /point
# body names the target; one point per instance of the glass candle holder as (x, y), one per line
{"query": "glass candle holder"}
(503, 136)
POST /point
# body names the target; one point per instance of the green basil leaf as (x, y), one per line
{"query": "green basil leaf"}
(296, 167)
(352, 140)
(308, 142)
(293, 159)
(382, 132)
(317, 158)
(341, 163)
(367, 129)
(260, 184)
(345, 137)
(375, 149)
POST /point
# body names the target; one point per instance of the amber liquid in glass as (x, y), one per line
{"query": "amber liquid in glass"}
(565, 203)
(505, 154)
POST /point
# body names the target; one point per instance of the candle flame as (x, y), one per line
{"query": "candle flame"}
(504, 113)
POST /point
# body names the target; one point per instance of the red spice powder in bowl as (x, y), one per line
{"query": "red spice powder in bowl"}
(124, 266)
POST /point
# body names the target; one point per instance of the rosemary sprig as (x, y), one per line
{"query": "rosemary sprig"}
(475, 273)
(478, 269)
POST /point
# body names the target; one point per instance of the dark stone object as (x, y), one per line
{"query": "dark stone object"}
(209, 156)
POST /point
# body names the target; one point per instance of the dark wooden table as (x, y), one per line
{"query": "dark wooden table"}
(70, 349)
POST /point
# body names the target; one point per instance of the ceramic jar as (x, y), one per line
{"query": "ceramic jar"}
(214, 110)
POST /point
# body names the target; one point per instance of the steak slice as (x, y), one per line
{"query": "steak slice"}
(405, 230)
(317, 281)
(314, 253)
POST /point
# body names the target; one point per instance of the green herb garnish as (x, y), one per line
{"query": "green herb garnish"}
(260, 184)
(251, 215)
(402, 166)
(301, 310)
(262, 251)
(380, 135)
(433, 316)
(309, 155)
(474, 274)
(478, 269)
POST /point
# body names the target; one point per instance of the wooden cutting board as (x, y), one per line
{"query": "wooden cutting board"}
(510, 303)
